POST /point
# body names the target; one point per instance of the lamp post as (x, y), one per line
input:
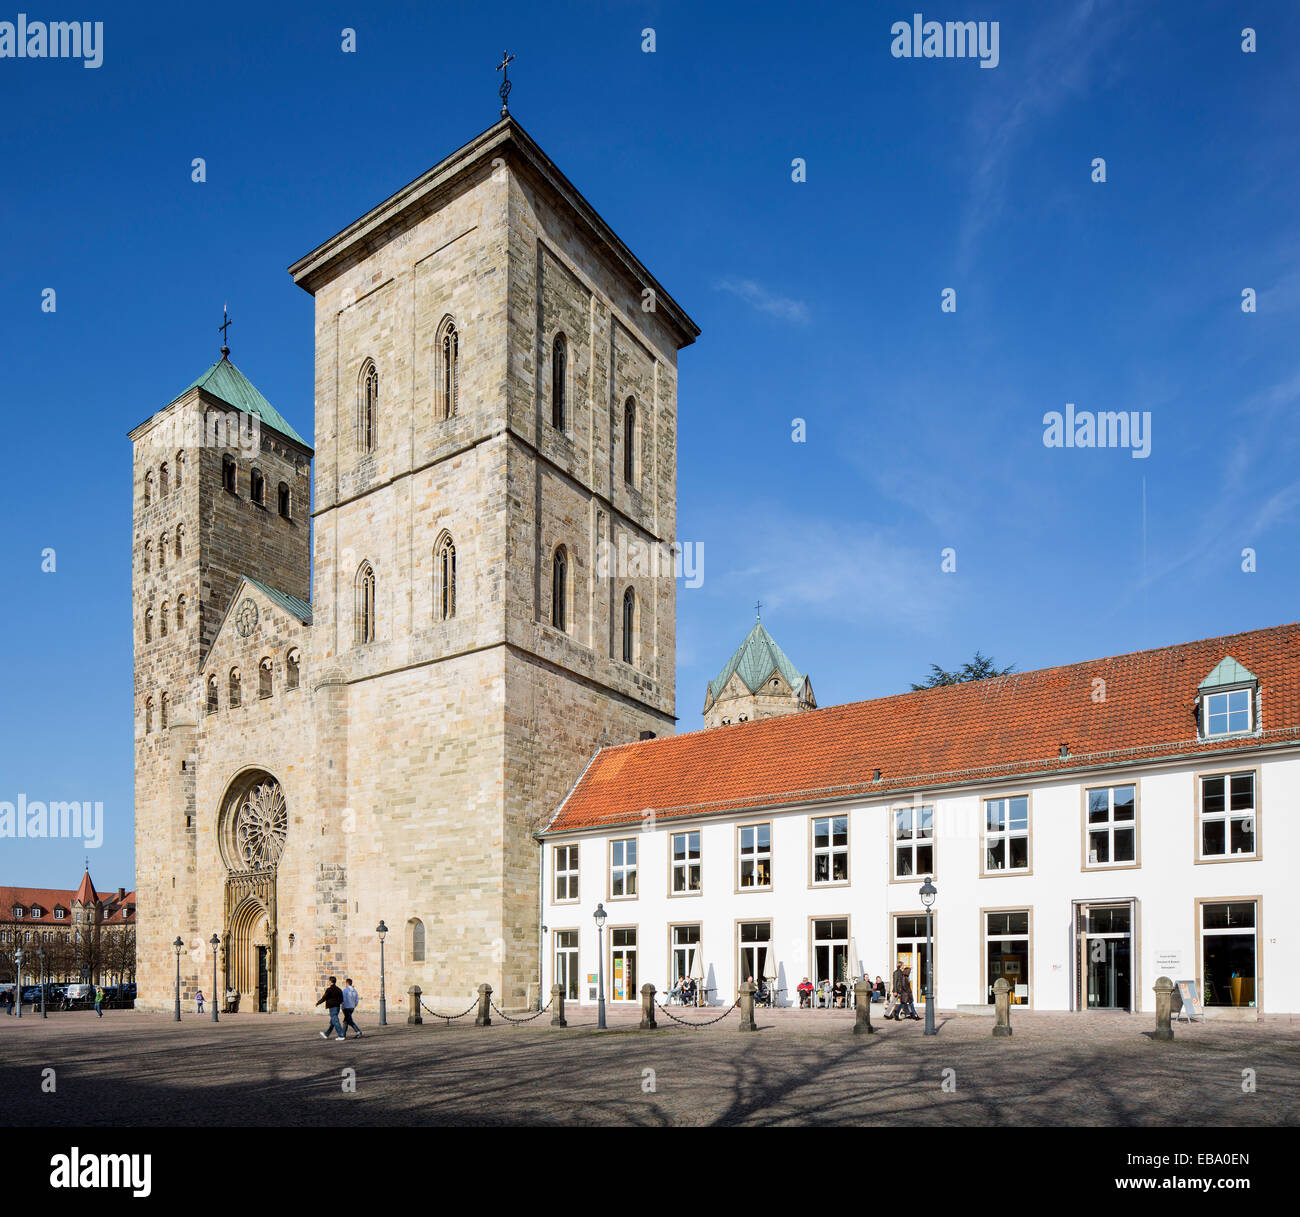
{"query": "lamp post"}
(178, 946)
(928, 893)
(600, 916)
(382, 930)
(18, 981)
(215, 943)
(40, 954)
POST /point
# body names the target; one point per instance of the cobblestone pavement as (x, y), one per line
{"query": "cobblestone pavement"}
(802, 1067)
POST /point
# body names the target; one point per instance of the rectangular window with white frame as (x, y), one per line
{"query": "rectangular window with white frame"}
(687, 873)
(1227, 814)
(1229, 952)
(566, 873)
(1006, 835)
(754, 855)
(830, 852)
(622, 868)
(913, 841)
(1112, 826)
(686, 958)
(1227, 713)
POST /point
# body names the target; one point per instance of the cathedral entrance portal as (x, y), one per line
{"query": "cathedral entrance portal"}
(252, 829)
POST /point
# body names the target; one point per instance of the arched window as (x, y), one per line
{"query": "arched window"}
(212, 693)
(264, 678)
(444, 565)
(163, 481)
(629, 626)
(148, 715)
(148, 625)
(163, 615)
(162, 712)
(235, 686)
(180, 540)
(560, 589)
(417, 939)
(148, 488)
(180, 468)
(364, 613)
(559, 381)
(367, 407)
(292, 669)
(447, 386)
(162, 551)
(286, 501)
(257, 488)
(229, 475)
(629, 440)
(180, 612)
(148, 555)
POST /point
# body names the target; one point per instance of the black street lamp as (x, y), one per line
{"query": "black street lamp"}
(600, 916)
(178, 946)
(214, 942)
(928, 893)
(18, 981)
(382, 930)
(40, 954)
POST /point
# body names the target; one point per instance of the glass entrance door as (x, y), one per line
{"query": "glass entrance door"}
(1105, 946)
(910, 951)
(622, 971)
(263, 979)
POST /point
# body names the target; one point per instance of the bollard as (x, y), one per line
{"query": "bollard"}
(648, 1008)
(862, 999)
(1002, 1006)
(1164, 988)
(557, 996)
(746, 992)
(413, 1015)
(484, 1006)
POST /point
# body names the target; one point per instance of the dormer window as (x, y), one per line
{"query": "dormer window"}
(18, 913)
(35, 911)
(1227, 701)
(60, 914)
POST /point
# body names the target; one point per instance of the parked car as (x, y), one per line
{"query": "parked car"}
(79, 995)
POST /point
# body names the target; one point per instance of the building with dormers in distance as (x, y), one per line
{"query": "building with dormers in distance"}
(1089, 829)
(86, 935)
(358, 710)
(758, 681)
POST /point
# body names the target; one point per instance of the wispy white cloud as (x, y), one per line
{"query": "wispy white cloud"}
(1058, 63)
(765, 301)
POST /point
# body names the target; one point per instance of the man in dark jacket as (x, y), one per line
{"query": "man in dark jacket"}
(333, 999)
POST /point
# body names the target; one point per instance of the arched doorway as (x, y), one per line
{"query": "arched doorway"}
(252, 829)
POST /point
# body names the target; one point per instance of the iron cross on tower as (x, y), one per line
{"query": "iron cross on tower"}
(223, 327)
(504, 90)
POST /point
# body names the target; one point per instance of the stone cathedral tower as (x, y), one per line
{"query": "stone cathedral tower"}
(496, 407)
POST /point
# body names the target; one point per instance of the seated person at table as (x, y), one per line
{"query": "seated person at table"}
(804, 989)
(686, 990)
(839, 991)
(878, 990)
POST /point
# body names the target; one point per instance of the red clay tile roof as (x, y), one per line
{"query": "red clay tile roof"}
(953, 734)
(47, 899)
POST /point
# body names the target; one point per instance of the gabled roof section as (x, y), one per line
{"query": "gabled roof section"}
(1228, 672)
(225, 381)
(754, 661)
(954, 735)
(86, 892)
(425, 194)
(291, 604)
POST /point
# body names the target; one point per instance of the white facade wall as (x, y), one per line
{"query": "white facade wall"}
(1165, 884)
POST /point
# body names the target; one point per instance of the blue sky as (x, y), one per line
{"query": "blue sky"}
(818, 300)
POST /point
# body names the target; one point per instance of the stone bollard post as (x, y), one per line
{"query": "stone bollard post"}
(648, 1008)
(746, 992)
(1002, 1006)
(557, 996)
(1164, 988)
(413, 1013)
(484, 1006)
(862, 1000)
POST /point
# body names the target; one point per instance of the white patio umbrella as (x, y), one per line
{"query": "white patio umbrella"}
(770, 975)
(697, 975)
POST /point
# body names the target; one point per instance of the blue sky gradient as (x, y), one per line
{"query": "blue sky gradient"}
(818, 300)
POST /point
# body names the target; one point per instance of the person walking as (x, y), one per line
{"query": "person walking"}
(907, 1006)
(351, 1000)
(99, 1001)
(198, 997)
(333, 999)
(896, 992)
